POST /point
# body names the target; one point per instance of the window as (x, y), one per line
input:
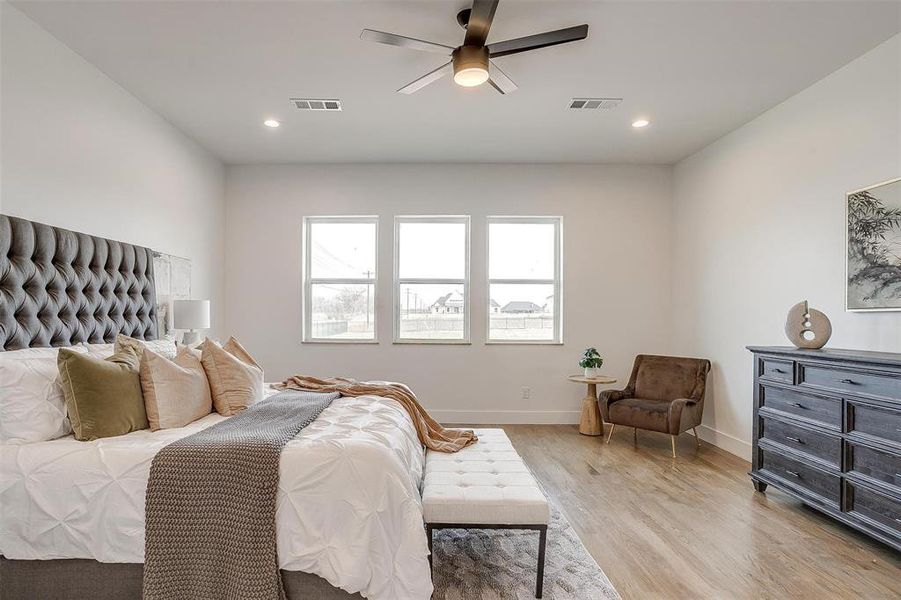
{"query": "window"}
(339, 294)
(524, 279)
(431, 266)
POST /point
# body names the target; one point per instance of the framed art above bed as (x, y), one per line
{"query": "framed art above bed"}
(173, 282)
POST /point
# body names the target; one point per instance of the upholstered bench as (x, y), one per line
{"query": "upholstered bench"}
(484, 486)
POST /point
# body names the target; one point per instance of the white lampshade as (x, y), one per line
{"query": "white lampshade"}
(191, 314)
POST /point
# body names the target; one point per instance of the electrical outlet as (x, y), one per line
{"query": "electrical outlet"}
(526, 393)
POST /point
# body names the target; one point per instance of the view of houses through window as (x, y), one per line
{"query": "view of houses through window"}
(432, 278)
(431, 302)
(523, 279)
(339, 287)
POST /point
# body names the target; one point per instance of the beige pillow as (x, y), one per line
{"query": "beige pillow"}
(176, 392)
(236, 380)
(103, 396)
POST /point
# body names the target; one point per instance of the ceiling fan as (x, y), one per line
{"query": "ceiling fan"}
(472, 62)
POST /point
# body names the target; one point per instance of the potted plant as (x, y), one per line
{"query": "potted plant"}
(591, 362)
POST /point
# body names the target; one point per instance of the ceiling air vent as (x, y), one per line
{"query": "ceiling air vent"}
(316, 103)
(595, 103)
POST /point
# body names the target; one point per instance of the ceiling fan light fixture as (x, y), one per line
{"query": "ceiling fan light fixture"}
(471, 77)
(470, 61)
(470, 65)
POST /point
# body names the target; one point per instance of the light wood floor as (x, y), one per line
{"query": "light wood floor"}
(693, 527)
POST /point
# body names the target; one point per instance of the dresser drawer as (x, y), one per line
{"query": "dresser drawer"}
(849, 381)
(777, 369)
(875, 464)
(827, 411)
(800, 475)
(817, 445)
(875, 507)
(875, 421)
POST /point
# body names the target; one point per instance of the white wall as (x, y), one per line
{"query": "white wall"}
(80, 152)
(616, 232)
(759, 226)
(700, 261)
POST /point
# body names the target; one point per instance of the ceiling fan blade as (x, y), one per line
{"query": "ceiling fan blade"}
(539, 40)
(370, 35)
(499, 80)
(428, 78)
(480, 18)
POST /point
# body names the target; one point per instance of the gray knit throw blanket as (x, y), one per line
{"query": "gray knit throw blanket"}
(210, 504)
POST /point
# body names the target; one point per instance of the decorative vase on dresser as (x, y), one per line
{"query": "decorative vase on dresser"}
(827, 430)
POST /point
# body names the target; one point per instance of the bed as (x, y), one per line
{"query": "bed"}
(349, 515)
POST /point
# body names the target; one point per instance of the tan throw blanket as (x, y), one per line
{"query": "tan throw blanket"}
(432, 435)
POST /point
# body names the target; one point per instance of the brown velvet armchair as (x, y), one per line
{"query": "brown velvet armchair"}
(665, 394)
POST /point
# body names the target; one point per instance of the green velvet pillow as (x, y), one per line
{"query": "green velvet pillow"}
(103, 396)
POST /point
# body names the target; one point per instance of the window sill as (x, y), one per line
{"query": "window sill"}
(522, 343)
(434, 342)
(324, 341)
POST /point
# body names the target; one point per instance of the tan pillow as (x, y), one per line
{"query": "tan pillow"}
(176, 392)
(103, 396)
(236, 380)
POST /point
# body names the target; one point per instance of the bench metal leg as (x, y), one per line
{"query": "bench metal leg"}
(428, 532)
(542, 543)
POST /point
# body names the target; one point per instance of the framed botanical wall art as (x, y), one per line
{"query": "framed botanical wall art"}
(873, 267)
(173, 282)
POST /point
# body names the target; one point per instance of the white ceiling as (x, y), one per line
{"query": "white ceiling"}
(696, 69)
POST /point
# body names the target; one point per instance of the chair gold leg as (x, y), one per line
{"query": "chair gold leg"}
(694, 430)
(635, 435)
(610, 435)
(672, 439)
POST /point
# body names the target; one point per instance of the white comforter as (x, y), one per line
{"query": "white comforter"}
(349, 507)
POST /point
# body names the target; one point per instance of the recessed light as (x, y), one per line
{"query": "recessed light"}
(271, 123)
(640, 123)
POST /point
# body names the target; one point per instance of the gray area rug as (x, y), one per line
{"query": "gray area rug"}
(500, 564)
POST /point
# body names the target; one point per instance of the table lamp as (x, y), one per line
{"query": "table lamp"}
(191, 315)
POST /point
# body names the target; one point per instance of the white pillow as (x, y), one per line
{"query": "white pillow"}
(162, 347)
(32, 406)
(98, 350)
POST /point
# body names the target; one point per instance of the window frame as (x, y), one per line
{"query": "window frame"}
(465, 282)
(557, 280)
(309, 280)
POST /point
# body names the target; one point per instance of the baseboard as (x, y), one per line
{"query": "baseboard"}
(507, 417)
(729, 443)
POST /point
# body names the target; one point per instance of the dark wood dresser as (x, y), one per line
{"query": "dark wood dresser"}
(827, 430)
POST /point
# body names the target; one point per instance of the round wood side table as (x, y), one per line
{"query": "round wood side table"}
(591, 422)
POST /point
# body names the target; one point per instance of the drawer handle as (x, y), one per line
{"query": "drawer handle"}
(778, 371)
(794, 474)
(794, 439)
(798, 404)
(848, 381)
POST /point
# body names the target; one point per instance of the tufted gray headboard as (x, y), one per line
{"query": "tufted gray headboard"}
(58, 287)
